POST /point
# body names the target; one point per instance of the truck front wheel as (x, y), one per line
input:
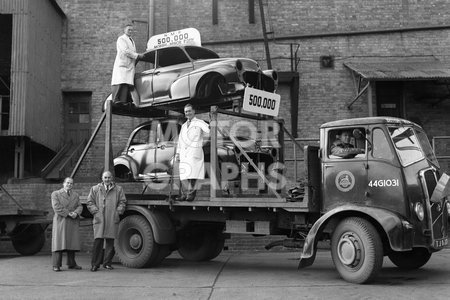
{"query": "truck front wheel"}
(410, 260)
(29, 240)
(357, 250)
(136, 246)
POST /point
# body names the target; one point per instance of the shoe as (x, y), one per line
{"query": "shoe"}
(108, 267)
(56, 269)
(76, 267)
(190, 198)
(94, 269)
(181, 198)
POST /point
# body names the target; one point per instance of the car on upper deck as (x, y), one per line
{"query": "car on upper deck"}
(175, 75)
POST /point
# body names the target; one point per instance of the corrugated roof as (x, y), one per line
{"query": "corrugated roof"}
(401, 70)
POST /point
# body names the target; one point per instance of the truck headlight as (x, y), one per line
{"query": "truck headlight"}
(418, 208)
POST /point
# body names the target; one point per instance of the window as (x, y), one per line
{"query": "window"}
(4, 112)
(200, 53)
(171, 56)
(381, 147)
(406, 144)
(345, 143)
(142, 136)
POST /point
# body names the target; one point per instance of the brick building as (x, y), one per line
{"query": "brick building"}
(352, 59)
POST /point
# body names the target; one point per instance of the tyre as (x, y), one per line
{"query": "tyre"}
(135, 245)
(410, 260)
(123, 174)
(29, 240)
(216, 248)
(199, 245)
(357, 250)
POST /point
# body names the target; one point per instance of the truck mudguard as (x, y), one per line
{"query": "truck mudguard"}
(398, 233)
(162, 227)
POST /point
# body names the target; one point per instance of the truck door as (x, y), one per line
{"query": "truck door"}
(385, 184)
(344, 176)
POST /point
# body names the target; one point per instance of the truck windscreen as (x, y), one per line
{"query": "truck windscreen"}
(407, 144)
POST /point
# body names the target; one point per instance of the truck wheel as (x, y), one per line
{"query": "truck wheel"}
(197, 245)
(30, 240)
(216, 248)
(136, 246)
(410, 260)
(356, 250)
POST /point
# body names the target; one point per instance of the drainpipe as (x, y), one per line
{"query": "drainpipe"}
(151, 18)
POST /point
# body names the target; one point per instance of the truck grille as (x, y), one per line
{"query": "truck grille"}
(436, 211)
(430, 181)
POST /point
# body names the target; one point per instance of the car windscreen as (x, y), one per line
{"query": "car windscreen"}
(200, 53)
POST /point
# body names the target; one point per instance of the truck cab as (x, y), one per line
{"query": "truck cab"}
(386, 182)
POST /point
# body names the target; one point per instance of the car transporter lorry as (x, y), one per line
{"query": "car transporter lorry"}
(390, 201)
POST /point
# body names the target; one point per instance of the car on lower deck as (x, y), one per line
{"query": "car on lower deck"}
(151, 146)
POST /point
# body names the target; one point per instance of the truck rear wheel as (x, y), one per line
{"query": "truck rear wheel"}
(136, 246)
(29, 240)
(410, 260)
(200, 245)
(357, 250)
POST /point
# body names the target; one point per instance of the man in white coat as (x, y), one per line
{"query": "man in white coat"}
(124, 67)
(190, 153)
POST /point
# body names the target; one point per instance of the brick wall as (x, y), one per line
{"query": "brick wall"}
(91, 29)
(93, 26)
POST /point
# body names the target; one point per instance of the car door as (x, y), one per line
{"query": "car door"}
(172, 63)
(166, 144)
(143, 80)
(142, 148)
(345, 179)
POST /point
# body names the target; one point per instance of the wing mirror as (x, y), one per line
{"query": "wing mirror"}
(359, 135)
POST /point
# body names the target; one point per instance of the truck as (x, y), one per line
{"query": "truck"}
(23, 227)
(389, 200)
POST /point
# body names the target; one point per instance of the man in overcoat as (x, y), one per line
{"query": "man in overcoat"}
(106, 202)
(66, 222)
(190, 153)
(124, 66)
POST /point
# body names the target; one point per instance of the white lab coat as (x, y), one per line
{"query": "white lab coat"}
(190, 149)
(123, 71)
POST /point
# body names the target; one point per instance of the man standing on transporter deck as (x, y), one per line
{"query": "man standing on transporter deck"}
(124, 67)
(106, 202)
(190, 153)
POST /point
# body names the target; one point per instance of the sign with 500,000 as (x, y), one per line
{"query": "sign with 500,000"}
(261, 102)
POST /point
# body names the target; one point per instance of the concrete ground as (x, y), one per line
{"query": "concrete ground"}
(259, 275)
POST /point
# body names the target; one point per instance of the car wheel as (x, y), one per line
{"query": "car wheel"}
(210, 87)
(122, 173)
(410, 260)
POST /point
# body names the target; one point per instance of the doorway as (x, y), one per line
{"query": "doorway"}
(390, 99)
(77, 117)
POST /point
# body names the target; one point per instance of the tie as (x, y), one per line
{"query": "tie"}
(68, 193)
(131, 40)
(188, 123)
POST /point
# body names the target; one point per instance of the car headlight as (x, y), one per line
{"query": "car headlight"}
(420, 213)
